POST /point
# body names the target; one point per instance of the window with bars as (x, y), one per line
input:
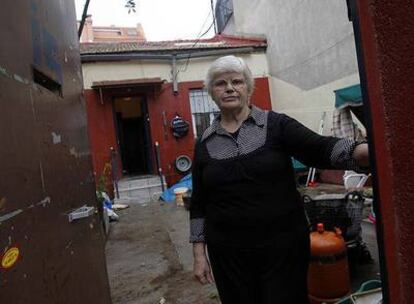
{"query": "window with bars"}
(203, 110)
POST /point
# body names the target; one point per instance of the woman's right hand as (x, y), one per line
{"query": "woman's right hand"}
(202, 269)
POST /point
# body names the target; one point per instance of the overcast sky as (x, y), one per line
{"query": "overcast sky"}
(161, 19)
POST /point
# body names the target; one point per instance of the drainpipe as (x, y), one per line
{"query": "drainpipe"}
(83, 19)
(174, 74)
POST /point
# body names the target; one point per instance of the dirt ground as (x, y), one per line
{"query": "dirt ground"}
(144, 264)
(149, 258)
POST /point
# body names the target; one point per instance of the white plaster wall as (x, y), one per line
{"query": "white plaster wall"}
(196, 69)
(310, 42)
(311, 52)
(109, 71)
(307, 106)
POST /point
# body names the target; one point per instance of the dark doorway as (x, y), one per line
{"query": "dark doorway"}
(132, 126)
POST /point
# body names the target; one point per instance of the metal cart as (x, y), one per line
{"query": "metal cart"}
(343, 211)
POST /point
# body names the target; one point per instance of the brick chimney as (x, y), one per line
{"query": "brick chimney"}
(87, 32)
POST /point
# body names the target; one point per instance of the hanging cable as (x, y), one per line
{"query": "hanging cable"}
(193, 46)
(199, 36)
(214, 17)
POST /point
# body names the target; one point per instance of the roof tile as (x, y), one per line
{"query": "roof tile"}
(217, 42)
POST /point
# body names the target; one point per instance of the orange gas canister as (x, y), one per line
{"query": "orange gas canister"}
(328, 276)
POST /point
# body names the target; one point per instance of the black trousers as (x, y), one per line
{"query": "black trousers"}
(272, 274)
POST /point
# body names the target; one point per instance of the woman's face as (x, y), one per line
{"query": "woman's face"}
(229, 91)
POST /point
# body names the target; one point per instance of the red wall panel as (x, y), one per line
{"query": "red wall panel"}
(387, 39)
(166, 101)
(102, 130)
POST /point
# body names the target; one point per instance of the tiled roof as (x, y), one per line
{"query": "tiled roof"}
(217, 42)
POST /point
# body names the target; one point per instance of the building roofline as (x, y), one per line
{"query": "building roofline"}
(218, 42)
(170, 56)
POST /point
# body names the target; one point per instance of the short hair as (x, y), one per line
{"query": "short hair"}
(228, 64)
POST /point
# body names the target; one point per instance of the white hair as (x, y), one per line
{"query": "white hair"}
(228, 64)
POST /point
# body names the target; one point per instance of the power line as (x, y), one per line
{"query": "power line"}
(193, 46)
(199, 36)
(214, 17)
(204, 23)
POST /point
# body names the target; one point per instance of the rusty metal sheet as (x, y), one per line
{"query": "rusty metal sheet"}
(45, 162)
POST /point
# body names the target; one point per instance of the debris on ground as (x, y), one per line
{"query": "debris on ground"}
(145, 265)
(119, 206)
(163, 301)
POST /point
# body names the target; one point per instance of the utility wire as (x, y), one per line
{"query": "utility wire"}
(214, 16)
(204, 23)
(193, 46)
(199, 36)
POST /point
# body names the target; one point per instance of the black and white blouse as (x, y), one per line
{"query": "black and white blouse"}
(243, 183)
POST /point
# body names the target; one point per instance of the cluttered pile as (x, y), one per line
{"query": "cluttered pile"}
(109, 209)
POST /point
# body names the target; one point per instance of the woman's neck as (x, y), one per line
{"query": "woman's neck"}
(232, 120)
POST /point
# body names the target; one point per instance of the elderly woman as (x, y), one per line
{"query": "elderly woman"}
(245, 207)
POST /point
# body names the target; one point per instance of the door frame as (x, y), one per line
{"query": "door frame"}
(148, 151)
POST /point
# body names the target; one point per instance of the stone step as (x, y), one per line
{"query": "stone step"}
(139, 190)
(138, 182)
(132, 201)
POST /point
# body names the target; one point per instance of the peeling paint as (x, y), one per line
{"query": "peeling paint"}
(20, 79)
(44, 202)
(3, 72)
(33, 105)
(68, 245)
(77, 154)
(73, 152)
(42, 178)
(10, 215)
(56, 138)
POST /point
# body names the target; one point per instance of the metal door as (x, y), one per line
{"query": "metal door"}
(45, 162)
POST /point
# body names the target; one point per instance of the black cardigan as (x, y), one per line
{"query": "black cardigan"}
(246, 200)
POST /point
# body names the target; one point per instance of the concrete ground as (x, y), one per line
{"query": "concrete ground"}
(149, 258)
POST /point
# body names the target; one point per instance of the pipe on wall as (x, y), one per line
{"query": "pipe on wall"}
(174, 73)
